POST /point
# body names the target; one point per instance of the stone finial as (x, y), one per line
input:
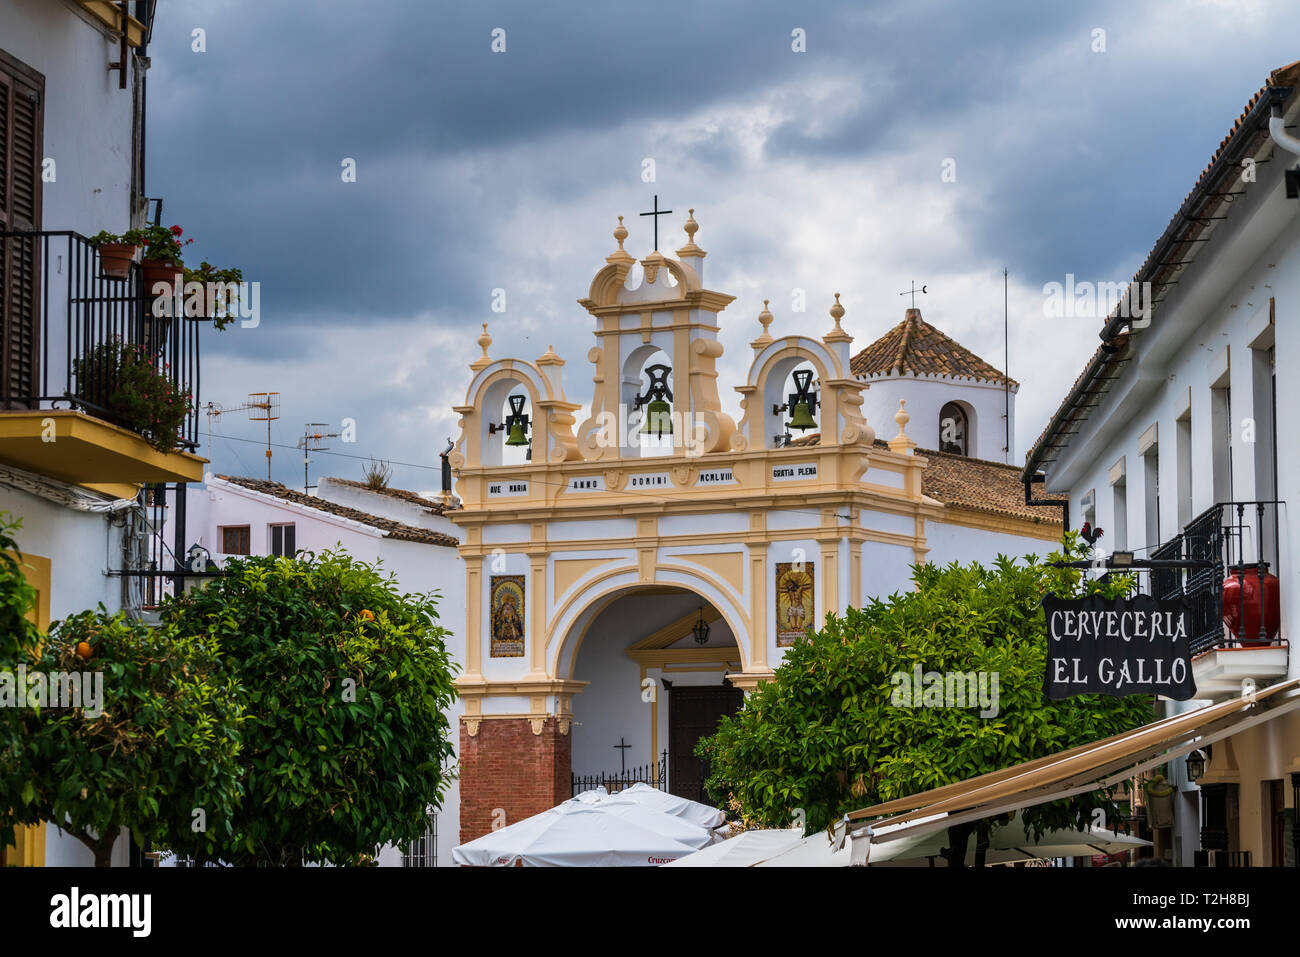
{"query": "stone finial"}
(484, 360)
(902, 442)
(837, 334)
(691, 227)
(765, 319)
(549, 357)
(620, 256)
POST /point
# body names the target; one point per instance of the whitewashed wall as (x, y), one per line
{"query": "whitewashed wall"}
(926, 396)
(88, 120)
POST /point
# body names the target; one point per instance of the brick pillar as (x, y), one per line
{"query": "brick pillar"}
(505, 765)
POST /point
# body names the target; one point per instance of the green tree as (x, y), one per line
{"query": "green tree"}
(155, 734)
(825, 735)
(347, 741)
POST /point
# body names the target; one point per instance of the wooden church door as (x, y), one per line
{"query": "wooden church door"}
(693, 713)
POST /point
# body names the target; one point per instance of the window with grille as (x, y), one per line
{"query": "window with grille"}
(235, 540)
(282, 540)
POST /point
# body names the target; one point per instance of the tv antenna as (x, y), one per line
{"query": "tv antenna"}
(266, 405)
(313, 440)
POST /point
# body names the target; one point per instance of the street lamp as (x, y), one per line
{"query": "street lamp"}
(1195, 766)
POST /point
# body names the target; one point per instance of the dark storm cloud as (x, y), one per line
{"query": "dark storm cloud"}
(478, 171)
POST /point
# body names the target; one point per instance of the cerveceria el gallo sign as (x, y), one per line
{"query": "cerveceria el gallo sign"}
(1117, 646)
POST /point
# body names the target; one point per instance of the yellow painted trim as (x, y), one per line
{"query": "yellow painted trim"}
(29, 848)
(554, 663)
(990, 522)
(77, 448)
(37, 570)
(107, 13)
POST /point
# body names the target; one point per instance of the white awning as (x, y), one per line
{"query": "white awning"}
(1088, 767)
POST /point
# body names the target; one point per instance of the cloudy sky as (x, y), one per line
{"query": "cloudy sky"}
(819, 170)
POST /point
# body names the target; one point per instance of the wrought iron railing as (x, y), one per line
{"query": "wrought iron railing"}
(61, 315)
(1237, 538)
(654, 774)
(423, 851)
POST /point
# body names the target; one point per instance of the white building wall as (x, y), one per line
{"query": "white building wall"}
(88, 120)
(1202, 336)
(957, 543)
(925, 397)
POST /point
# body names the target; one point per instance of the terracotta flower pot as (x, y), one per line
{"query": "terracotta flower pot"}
(160, 270)
(1254, 590)
(115, 259)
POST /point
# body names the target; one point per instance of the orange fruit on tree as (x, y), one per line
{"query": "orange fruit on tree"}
(84, 651)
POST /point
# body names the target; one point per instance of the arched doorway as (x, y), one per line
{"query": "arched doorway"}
(655, 660)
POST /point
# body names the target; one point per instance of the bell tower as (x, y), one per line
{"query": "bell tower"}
(670, 312)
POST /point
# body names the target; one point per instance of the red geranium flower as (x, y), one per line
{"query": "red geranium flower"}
(176, 231)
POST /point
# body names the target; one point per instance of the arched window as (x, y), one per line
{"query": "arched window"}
(952, 429)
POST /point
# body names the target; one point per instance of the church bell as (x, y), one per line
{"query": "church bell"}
(516, 436)
(517, 422)
(658, 418)
(802, 402)
(801, 418)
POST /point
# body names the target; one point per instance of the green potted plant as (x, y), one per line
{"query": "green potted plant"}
(162, 255)
(219, 300)
(122, 380)
(117, 251)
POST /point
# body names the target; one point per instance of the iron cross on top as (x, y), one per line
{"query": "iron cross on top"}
(656, 213)
(912, 292)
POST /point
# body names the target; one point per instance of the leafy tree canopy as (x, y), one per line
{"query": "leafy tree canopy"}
(826, 736)
(346, 742)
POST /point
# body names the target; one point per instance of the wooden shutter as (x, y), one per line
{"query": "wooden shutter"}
(22, 94)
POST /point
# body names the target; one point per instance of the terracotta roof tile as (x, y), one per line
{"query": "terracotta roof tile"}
(914, 347)
(392, 529)
(977, 485)
(974, 485)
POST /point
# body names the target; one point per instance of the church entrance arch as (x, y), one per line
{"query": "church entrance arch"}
(653, 660)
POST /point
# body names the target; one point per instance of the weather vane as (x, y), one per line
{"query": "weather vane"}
(912, 292)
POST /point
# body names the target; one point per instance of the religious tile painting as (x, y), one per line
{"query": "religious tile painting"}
(507, 606)
(795, 593)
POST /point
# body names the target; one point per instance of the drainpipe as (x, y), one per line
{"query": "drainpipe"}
(1277, 130)
(1063, 505)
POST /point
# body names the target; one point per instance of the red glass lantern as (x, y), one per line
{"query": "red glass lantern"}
(1245, 590)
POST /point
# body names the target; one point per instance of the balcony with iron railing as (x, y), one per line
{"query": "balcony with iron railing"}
(1231, 585)
(99, 378)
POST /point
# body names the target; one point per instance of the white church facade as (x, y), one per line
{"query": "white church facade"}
(629, 576)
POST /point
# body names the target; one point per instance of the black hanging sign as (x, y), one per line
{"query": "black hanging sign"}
(1117, 646)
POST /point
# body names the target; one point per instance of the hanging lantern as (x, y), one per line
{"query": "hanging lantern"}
(701, 629)
(802, 402)
(516, 423)
(658, 417)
